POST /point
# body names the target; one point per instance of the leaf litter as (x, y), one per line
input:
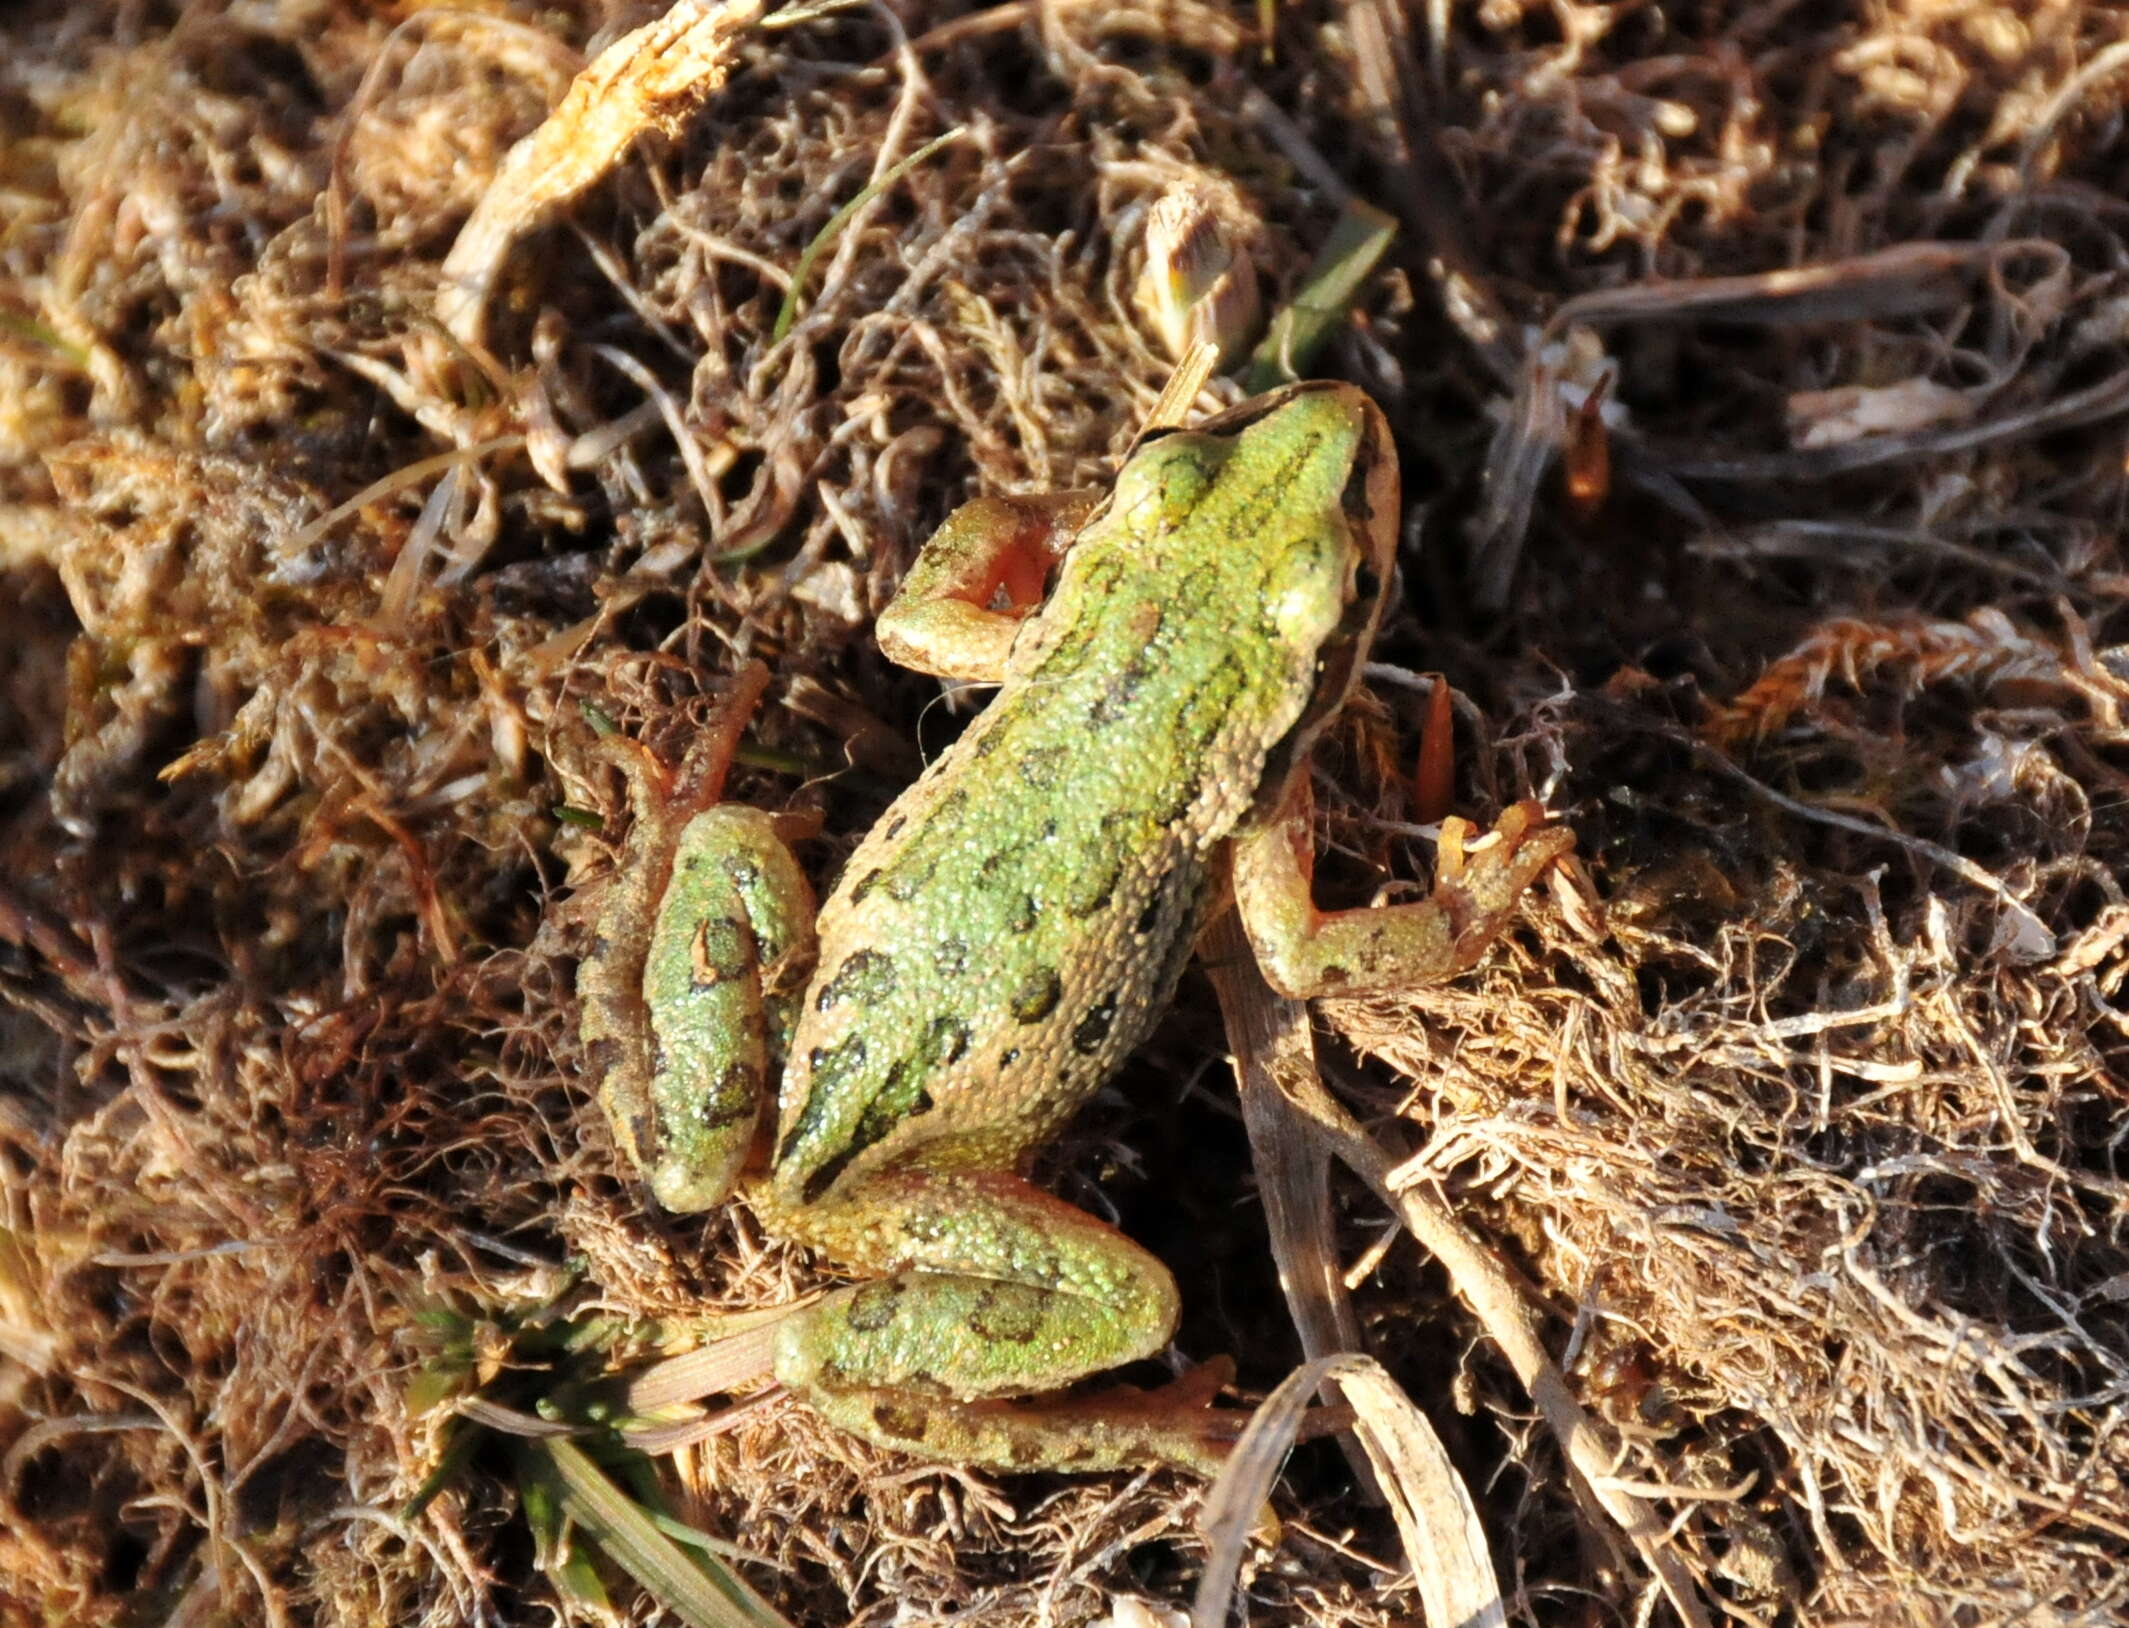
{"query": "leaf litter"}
(1791, 1115)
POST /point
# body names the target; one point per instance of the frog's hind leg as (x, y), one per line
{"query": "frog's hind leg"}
(691, 1014)
(1304, 951)
(993, 1290)
(700, 948)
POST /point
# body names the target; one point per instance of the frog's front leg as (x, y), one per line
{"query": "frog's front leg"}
(943, 620)
(1304, 951)
(992, 1289)
(688, 1018)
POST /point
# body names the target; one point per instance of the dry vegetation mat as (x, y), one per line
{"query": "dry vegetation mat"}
(1760, 374)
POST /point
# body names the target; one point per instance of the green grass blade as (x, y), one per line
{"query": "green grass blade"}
(700, 1590)
(826, 235)
(1355, 245)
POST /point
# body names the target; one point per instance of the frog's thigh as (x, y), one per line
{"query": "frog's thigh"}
(1304, 951)
(732, 937)
(1006, 1291)
(941, 621)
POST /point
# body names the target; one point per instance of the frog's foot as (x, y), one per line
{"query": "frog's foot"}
(1117, 1427)
(1479, 888)
(1304, 951)
(945, 619)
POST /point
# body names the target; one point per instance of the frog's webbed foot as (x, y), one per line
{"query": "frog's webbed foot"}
(1116, 1427)
(1304, 951)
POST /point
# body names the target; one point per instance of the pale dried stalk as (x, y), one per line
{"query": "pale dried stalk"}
(1452, 1568)
(651, 79)
(1479, 1278)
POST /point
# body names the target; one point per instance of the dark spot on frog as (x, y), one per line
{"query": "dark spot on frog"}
(743, 871)
(1012, 1056)
(945, 1042)
(1040, 766)
(1008, 1314)
(827, 1065)
(1010, 856)
(1367, 582)
(1024, 917)
(1093, 1029)
(1150, 917)
(722, 951)
(903, 1424)
(987, 745)
(845, 1057)
(867, 977)
(873, 1307)
(1334, 975)
(1037, 998)
(896, 826)
(737, 1093)
(603, 1055)
(951, 957)
(898, 1098)
(865, 885)
(1026, 1452)
(824, 1178)
(1116, 698)
(1354, 499)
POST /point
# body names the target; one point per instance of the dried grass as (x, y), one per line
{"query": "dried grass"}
(1806, 1146)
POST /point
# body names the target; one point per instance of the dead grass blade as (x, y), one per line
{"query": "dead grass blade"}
(1271, 1039)
(1444, 1541)
(724, 1364)
(1902, 281)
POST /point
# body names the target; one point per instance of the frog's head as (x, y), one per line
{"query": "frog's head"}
(1330, 538)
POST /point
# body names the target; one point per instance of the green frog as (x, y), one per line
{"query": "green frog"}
(1016, 922)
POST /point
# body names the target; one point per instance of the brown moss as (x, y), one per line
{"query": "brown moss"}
(1807, 1146)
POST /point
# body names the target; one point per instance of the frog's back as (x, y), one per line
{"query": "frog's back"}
(1017, 921)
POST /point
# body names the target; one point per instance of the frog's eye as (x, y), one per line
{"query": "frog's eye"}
(1367, 581)
(1354, 499)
